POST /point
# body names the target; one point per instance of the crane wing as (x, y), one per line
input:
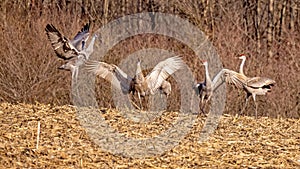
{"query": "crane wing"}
(81, 37)
(61, 45)
(234, 78)
(89, 50)
(216, 79)
(162, 71)
(259, 82)
(111, 73)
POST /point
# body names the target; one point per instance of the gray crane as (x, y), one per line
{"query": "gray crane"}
(252, 85)
(74, 51)
(205, 88)
(74, 63)
(149, 84)
(144, 86)
(63, 47)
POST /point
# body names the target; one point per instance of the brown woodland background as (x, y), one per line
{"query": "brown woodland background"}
(266, 31)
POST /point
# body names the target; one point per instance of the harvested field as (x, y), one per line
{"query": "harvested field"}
(238, 142)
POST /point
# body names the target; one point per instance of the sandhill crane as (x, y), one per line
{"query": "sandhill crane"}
(144, 86)
(63, 47)
(73, 51)
(252, 85)
(74, 63)
(149, 84)
(205, 89)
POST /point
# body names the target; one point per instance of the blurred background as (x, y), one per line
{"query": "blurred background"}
(266, 31)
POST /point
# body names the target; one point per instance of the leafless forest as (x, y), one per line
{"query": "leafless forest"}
(266, 31)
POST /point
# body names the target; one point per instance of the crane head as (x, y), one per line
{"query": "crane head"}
(139, 62)
(242, 56)
(204, 62)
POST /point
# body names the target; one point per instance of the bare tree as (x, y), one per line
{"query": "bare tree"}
(282, 12)
(257, 25)
(270, 28)
(105, 11)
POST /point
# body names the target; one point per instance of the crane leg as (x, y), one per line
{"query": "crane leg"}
(247, 99)
(202, 104)
(255, 106)
(73, 76)
(76, 74)
(202, 107)
(135, 105)
(74, 80)
(139, 96)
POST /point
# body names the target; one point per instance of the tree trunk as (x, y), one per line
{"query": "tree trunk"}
(292, 23)
(293, 13)
(211, 11)
(282, 9)
(270, 28)
(257, 24)
(105, 11)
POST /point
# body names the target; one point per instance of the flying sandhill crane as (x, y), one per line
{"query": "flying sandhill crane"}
(74, 63)
(252, 85)
(73, 51)
(144, 86)
(63, 47)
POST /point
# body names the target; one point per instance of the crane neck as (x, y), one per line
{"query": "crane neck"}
(138, 68)
(242, 66)
(207, 77)
(91, 45)
(138, 74)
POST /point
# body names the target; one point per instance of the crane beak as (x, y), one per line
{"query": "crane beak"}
(63, 67)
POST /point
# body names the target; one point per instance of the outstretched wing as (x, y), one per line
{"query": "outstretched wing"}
(258, 82)
(111, 73)
(234, 78)
(162, 71)
(89, 50)
(217, 77)
(61, 45)
(81, 37)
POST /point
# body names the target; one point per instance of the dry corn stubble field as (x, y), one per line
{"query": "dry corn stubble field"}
(28, 74)
(241, 142)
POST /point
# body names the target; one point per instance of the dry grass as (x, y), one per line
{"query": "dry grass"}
(241, 142)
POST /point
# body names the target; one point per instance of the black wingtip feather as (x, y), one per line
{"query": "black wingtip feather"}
(86, 27)
(50, 28)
